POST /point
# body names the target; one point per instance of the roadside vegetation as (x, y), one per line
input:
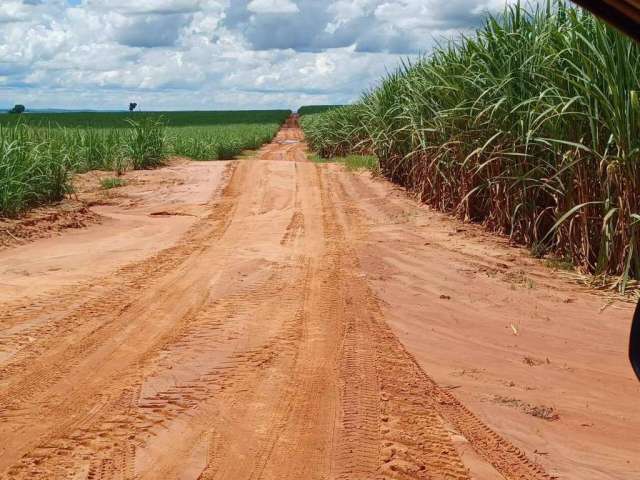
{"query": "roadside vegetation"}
(112, 182)
(220, 142)
(531, 126)
(33, 169)
(312, 109)
(39, 153)
(170, 119)
(352, 162)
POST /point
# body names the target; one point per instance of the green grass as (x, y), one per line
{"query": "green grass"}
(39, 153)
(559, 264)
(313, 109)
(112, 182)
(314, 157)
(361, 162)
(531, 127)
(351, 162)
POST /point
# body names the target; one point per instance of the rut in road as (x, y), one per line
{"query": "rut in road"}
(251, 349)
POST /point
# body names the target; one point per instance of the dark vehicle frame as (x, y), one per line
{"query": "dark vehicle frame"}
(622, 14)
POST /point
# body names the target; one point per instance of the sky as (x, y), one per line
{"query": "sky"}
(215, 54)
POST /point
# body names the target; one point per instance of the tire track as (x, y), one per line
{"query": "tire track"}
(64, 342)
(418, 401)
(223, 319)
(27, 325)
(253, 349)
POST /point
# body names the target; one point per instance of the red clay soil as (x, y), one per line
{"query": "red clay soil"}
(279, 319)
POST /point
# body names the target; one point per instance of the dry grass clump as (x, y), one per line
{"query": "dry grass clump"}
(540, 411)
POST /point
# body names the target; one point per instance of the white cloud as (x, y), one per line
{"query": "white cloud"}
(150, 6)
(272, 6)
(208, 54)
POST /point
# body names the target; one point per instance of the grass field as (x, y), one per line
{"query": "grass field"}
(220, 142)
(532, 127)
(40, 152)
(170, 119)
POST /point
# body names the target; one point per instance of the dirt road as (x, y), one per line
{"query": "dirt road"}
(258, 340)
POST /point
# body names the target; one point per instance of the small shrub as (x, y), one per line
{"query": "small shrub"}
(147, 145)
(361, 162)
(559, 263)
(112, 182)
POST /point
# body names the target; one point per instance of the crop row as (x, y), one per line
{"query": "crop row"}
(37, 162)
(170, 119)
(531, 126)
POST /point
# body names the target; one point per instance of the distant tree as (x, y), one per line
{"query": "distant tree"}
(18, 109)
(132, 106)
